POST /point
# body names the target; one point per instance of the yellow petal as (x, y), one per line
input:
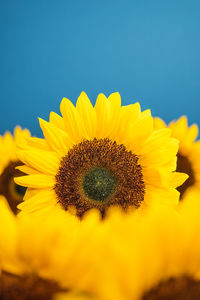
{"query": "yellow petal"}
(157, 136)
(39, 200)
(36, 181)
(30, 193)
(115, 107)
(159, 123)
(37, 143)
(138, 132)
(130, 113)
(102, 108)
(152, 176)
(20, 135)
(56, 120)
(43, 161)
(179, 128)
(87, 113)
(192, 133)
(57, 139)
(27, 170)
(177, 179)
(73, 122)
(162, 155)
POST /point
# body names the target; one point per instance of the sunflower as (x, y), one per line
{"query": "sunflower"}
(180, 276)
(19, 278)
(123, 257)
(8, 161)
(152, 255)
(188, 153)
(97, 157)
(26, 262)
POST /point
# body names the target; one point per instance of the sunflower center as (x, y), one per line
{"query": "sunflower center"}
(8, 188)
(98, 174)
(184, 166)
(182, 288)
(31, 287)
(98, 184)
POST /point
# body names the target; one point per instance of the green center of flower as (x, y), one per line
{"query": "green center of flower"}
(98, 184)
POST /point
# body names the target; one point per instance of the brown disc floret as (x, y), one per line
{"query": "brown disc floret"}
(181, 288)
(99, 173)
(27, 287)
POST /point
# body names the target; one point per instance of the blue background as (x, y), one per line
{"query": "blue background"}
(149, 51)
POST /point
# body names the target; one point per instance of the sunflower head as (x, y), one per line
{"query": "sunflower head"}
(188, 153)
(97, 174)
(180, 275)
(8, 164)
(23, 256)
(97, 157)
(29, 269)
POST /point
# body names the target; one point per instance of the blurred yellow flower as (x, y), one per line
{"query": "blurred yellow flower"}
(27, 250)
(153, 254)
(124, 256)
(188, 153)
(8, 161)
(180, 272)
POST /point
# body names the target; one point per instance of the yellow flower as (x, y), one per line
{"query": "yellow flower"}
(97, 157)
(188, 153)
(123, 257)
(180, 272)
(61, 252)
(152, 255)
(19, 278)
(27, 250)
(8, 161)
